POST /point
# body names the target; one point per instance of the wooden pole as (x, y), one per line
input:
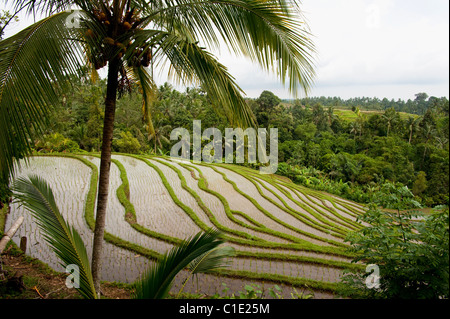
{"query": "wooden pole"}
(23, 244)
(10, 233)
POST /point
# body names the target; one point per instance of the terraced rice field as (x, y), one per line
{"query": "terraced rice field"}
(283, 233)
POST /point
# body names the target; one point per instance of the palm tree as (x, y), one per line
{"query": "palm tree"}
(428, 132)
(412, 124)
(127, 36)
(355, 128)
(391, 117)
(330, 115)
(161, 130)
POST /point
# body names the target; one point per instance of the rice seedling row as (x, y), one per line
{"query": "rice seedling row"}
(274, 186)
(251, 245)
(237, 200)
(278, 212)
(343, 214)
(69, 181)
(225, 203)
(116, 224)
(303, 215)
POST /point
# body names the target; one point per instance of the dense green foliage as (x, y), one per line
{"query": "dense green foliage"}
(345, 152)
(412, 254)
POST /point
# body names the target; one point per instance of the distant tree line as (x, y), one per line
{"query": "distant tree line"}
(419, 105)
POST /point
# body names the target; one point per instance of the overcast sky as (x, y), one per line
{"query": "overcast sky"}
(375, 48)
(382, 48)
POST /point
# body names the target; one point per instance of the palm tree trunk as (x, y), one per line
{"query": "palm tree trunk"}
(410, 135)
(105, 163)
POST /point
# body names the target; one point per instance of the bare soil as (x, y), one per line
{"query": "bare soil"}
(23, 277)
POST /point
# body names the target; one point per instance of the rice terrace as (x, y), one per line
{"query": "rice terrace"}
(282, 233)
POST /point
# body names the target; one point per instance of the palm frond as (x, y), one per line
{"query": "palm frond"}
(191, 63)
(42, 6)
(158, 279)
(149, 94)
(214, 259)
(36, 195)
(269, 32)
(34, 68)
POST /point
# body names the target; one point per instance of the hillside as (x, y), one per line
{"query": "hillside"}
(350, 115)
(283, 233)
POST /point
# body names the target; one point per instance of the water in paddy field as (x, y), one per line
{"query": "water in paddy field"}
(69, 179)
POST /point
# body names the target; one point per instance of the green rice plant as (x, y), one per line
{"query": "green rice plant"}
(300, 216)
(303, 246)
(339, 232)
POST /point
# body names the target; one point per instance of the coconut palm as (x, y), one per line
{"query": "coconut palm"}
(391, 118)
(330, 115)
(127, 36)
(412, 124)
(160, 132)
(428, 132)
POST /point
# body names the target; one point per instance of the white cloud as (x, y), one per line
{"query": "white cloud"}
(384, 44)
(383, 48)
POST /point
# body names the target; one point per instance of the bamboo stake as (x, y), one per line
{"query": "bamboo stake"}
(10, 233)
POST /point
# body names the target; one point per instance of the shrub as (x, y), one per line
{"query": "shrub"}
(5, 192)
(56, 143)
(127, 143)
(412, 254)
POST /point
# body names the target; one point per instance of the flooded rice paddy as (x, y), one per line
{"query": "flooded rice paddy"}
(278, 229)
